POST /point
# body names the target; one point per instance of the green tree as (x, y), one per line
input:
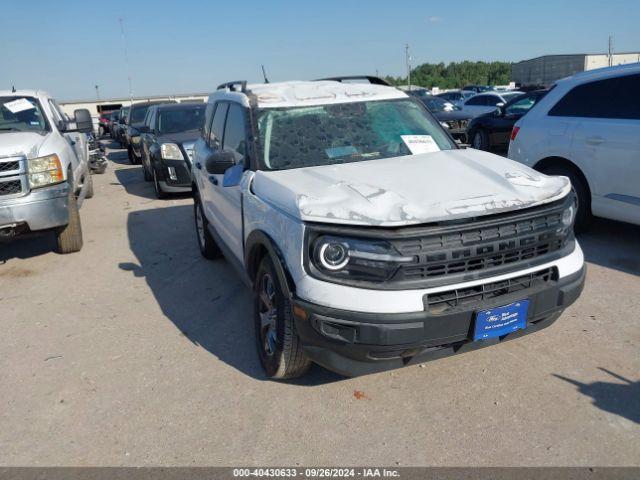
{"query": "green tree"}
(456, 74)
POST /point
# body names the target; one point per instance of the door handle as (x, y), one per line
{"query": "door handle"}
(198, 165)
(594, 140)
(213, 179)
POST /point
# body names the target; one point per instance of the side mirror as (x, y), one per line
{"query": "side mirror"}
(82, 120)
(499, 112)
(219, 162)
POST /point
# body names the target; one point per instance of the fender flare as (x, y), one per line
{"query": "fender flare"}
(258, 244)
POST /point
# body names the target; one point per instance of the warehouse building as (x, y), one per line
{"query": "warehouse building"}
(545, 70)
(98, 106)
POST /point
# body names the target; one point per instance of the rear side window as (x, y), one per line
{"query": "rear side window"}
(611, 98)
(477, 100)
(234, 133)
(217, 126)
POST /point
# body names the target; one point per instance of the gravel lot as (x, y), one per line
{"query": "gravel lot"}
(136, 351)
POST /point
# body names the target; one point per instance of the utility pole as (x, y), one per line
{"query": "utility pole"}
(98, 92)
(126, 57)
(610, 51)
(408, 60)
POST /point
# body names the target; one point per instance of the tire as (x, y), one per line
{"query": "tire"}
(279, 347)
(69, 237)
(90, 192)
(132, 157)
(480, 140)
(156, 186)
(208, 247)
(145, 172)
(583, 216)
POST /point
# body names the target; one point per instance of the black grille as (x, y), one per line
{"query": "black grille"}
(458, 124)
(9, 166)
(11, 187)
(465, 297)
(484, 246)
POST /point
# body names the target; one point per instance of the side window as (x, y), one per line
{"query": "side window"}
(208, 116)
(610, 98)
(477, 100)
(147, 117)
(217, 126)
(152, 118)
(234, 133)
(491, 100)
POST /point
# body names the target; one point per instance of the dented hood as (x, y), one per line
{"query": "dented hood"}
(21, 143)
(408, 190)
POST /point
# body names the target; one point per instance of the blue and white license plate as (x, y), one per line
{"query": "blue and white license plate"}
(501, 320)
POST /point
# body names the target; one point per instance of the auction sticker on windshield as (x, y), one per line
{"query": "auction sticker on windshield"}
(19, 105)
(420, 143)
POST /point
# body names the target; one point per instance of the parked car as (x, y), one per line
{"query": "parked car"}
(113, 123)
(104, 122)
(368, 235)
(477, 88)
(493, 130)
(457, 97)
(450, 117)
(134, 120)
(587, 128)
(487, 102)
(166, 145)
(120, 127)
(44, 167)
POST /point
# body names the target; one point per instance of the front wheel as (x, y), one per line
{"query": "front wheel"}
(69, 237)
(279, 347)
(145, 171)
(157, 187)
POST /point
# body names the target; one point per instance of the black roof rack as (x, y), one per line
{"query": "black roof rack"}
(370, 78)
(233, 86)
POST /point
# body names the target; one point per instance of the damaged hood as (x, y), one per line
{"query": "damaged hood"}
(408, 190)
(21, 143)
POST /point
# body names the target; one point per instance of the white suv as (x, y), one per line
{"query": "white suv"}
(588, 128)
(370, 239)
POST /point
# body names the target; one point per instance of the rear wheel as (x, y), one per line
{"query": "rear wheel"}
(208, 247)
(583, 216)
(480, 140)
(279, 346)
(69, 237)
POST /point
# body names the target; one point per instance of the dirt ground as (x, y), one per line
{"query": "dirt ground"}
(137, 351)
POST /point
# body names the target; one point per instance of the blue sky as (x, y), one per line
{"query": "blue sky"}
(67, 47)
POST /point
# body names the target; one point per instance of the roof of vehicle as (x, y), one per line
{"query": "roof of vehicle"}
(178, 106)
(307, 93)
(25, 92)
(604, 72)
(148, 104)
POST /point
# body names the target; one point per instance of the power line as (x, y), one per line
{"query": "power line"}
(126, 57)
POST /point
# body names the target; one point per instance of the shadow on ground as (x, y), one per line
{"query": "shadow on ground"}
(621, 399)
(613, 245)
(206, 300)
(27, 246)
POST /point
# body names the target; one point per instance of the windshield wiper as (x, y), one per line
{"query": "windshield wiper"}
(10, 129)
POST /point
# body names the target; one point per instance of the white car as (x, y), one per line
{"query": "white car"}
(371, 240)
(457, 97)
(487, 102)
(588, 129)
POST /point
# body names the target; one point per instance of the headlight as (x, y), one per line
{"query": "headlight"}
(135, 140)
(171, 151)
(356, 259)
(45, 171)
(445, 125)
(568, 216)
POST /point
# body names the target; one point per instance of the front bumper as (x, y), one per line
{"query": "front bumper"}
(39, 210)
(173, 175)
(355, 343)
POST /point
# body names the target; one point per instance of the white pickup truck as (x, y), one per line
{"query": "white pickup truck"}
(44, 168)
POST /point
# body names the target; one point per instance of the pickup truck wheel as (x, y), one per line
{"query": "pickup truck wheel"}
(131, 155)
(279, 347)
(208, 247)
(480, 140)
(145, 172)
(583, 215)
(89, 187)
(69, 237)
